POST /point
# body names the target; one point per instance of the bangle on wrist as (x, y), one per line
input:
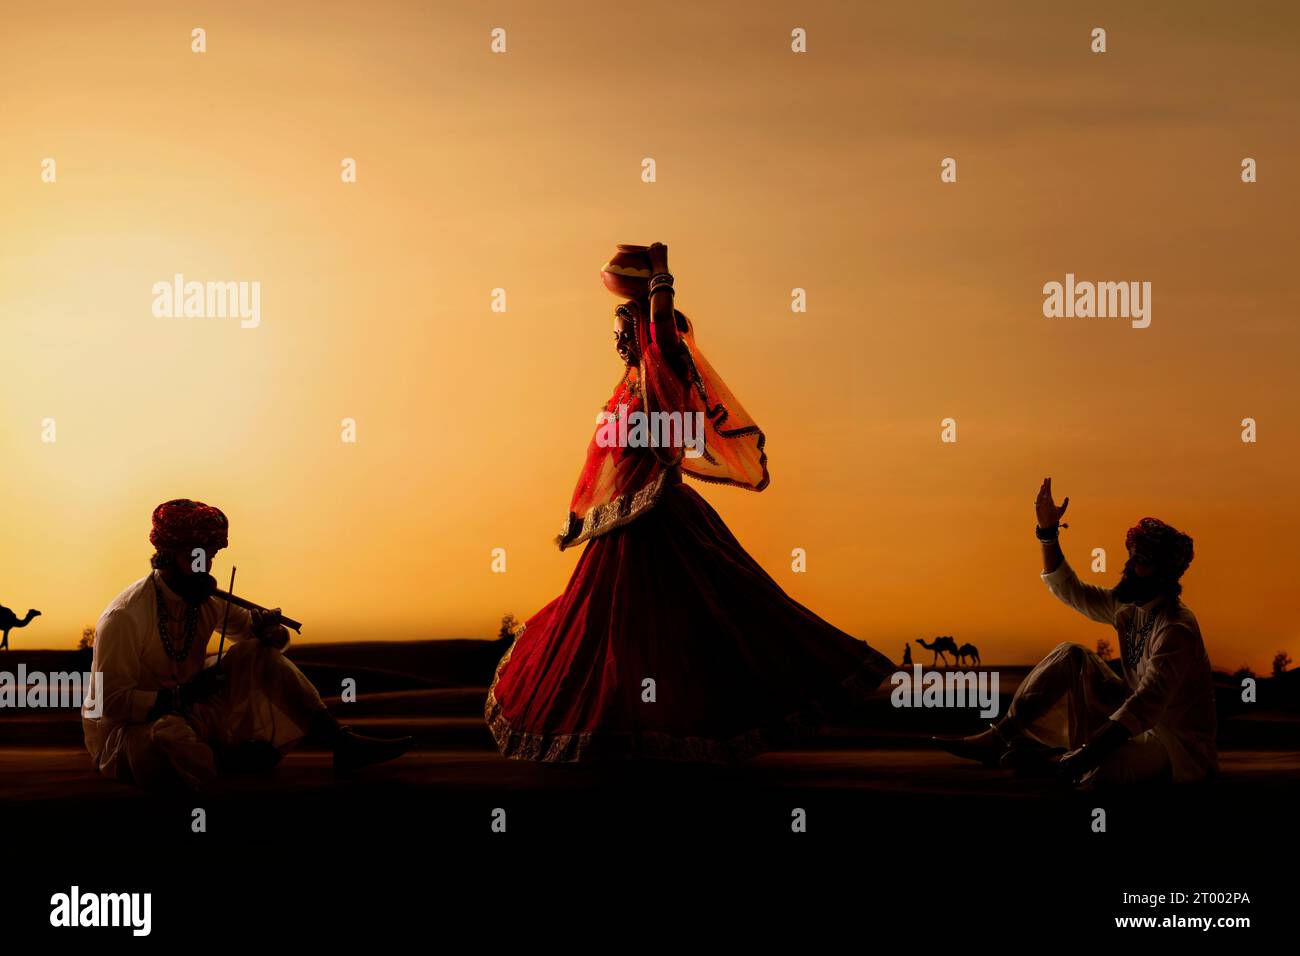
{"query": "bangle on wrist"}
(661, 280)
(1049, 534)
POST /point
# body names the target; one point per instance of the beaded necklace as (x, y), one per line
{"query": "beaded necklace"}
(628, 391)
(190, 627)
(1135, 639)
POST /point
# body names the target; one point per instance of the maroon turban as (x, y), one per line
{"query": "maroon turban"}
(1156, 543)
(182, 523)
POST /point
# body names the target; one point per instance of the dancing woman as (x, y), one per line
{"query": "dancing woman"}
(669, 641)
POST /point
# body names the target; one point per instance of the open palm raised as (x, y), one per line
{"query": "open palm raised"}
(1045, 508)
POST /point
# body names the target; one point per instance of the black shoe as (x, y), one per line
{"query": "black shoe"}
(352, 751)
(962, 747)
(1028, 758)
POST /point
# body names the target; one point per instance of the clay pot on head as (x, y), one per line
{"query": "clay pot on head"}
(627, 273)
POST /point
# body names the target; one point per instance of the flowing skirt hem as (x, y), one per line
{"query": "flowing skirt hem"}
(598, 745)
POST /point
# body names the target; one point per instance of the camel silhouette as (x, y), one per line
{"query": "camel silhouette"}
(968, 650)
(8, 620)
(942, 646)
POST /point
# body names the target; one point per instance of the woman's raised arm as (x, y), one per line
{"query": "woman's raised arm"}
(663, 321)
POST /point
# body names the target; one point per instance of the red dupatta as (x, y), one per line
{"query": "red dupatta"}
(618, 483)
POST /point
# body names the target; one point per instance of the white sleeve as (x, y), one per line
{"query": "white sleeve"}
(118, 646)
(239, 626)
(1094, 602)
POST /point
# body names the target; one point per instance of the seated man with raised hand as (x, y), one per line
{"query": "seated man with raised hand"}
(1156, 722)
(164, 718)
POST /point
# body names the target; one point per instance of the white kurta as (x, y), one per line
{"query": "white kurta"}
(266, 697)
(1170, 690)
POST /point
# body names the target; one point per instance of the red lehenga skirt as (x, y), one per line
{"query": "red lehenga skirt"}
(738, 667)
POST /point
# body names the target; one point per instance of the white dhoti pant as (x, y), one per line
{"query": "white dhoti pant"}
(265, 698)
(1068, 697)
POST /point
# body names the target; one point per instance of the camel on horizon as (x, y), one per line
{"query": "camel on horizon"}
(10, 620)
(942, 646)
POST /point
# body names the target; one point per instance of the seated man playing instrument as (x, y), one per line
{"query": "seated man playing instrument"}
(165, 719)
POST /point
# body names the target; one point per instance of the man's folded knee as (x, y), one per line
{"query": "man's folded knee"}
(1069, 649)
(247, 647)
(255, 653)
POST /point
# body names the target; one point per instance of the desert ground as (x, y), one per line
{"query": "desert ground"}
(873, 790)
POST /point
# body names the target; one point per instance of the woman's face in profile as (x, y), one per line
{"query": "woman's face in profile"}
(625, 340)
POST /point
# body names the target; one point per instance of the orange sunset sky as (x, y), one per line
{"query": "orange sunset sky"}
(522, 171)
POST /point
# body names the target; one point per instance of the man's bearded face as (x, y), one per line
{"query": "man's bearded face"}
(195, 586)
(1140, 582)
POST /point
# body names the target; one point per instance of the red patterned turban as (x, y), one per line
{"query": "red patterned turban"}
(182, 523)
(1156, 543)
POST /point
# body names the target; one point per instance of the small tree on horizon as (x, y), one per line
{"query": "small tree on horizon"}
(87, 641)
(1281, 661)
(508, 627)
(1104, 650)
